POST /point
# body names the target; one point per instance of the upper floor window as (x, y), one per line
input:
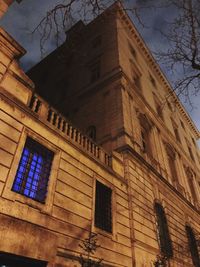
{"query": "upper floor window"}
(193, 246)
(136, 75)
(103, 207)
(171, 156)
(146, 145)
(159, 110)
(152, 80)
(190, 151)
(95, 71)
(132, 50)
(33, 172)
(175, 127)
(145, 134)
(91, 132)
(96, 41)
(163, 231)
(182, 124)
(177, 135)
(190, 175)
(193, 141)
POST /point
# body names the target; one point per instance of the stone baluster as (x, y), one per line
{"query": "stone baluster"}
(70, 129)
(79, 137)
(63, 126)
(34, 103)
(50, 116)
(83, 141)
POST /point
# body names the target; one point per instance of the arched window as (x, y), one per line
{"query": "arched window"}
(192, 246)
(163, 231)
(91, 132)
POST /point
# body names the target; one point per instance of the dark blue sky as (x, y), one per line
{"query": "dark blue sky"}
(22, 18)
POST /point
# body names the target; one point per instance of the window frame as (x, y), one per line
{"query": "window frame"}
(96, 229)
(163, 234)
(7, 191)
(192, 243)
(105, 224)
(30, 185)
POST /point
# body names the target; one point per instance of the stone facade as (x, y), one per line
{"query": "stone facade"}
(109, 88)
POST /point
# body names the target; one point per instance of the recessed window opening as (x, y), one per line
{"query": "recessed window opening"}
(163, 231)
(103, 207)
(33, 172)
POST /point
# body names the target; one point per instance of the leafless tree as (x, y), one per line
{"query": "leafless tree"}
(181, 56)
(62, 16)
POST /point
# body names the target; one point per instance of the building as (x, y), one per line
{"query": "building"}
(121, 162)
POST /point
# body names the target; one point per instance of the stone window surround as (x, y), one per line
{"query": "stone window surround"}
(9, 194)
(95, 229)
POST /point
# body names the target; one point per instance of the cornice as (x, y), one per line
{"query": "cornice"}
(10, 46)
(152, 62)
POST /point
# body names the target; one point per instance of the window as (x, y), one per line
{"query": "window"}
(163, 231)
(175, 127)
(91, 132)
(177, 135)
(182, 124)
(159, 110)
(190, 152)
(132, 50)
(153, 82)
(191, 176)
(32, 175)
(146, 141)
(135, 75)
(96, 42)
(103, 207)
(171, 156)
(136, 80)
(192, 246)
(95, 71)
(145, 125)
(10, 260)
(193, 141)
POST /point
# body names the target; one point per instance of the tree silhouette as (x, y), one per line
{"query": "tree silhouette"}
(89, 246)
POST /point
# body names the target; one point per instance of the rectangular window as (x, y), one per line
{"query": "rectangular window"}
(10, 260)
(192, 242)
(163, 231)
(97, 41)
(103, 207)
(95, 71)
(33, 172)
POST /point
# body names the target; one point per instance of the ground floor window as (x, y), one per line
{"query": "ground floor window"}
(10, 260)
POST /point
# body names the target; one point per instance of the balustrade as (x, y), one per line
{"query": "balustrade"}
(55, 119)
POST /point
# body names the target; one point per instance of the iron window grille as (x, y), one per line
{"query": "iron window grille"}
(192, 246)
(163, 232)
(33, 172)
(103, 207)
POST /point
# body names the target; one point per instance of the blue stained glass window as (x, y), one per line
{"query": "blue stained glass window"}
(32, 175)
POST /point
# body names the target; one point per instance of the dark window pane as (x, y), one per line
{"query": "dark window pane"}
(10, 260)
(33, 171)
(193, 246)
(163, 231)
(103, 210)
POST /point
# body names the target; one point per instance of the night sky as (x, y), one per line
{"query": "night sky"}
(22, 18)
